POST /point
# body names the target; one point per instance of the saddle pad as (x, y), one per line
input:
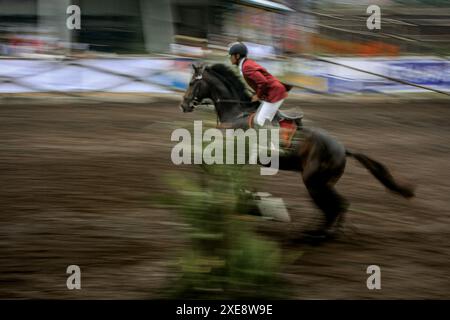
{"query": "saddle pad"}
(287, 131)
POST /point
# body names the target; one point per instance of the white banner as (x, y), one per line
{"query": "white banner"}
(152, 75)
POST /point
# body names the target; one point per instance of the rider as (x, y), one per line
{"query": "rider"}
(268, 89)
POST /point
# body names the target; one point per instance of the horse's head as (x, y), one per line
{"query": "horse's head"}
(197, 91)
(222, 86)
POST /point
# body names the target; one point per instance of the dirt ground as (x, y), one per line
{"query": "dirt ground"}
(77, 181)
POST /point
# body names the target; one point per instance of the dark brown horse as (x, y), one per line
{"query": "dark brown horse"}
(320, 158)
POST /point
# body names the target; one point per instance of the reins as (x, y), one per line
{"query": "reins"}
(234, 101)
(227, 101)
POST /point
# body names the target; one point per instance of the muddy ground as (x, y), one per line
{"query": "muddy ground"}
(77, 181)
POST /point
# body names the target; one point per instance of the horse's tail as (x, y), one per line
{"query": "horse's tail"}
(383, 175)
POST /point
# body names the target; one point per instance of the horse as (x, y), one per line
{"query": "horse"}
(319, 158)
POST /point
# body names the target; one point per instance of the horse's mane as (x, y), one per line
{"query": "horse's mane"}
(231, 80)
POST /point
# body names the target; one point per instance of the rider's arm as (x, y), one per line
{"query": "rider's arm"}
(259, 79)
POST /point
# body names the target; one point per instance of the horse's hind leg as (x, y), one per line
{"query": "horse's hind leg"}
(332, 204)
(320, 183)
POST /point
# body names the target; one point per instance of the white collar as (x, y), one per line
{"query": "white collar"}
(240, 65)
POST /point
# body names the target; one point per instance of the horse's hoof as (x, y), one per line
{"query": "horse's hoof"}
(314, 237)
(314, 233)
(319, 236)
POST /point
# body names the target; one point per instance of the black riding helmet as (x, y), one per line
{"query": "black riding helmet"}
(238, 48)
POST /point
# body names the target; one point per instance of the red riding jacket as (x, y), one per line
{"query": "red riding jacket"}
(267, 87)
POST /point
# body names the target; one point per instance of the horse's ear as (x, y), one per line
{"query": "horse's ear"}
(198, 66)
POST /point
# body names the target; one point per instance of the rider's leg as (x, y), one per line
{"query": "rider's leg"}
(266, 112)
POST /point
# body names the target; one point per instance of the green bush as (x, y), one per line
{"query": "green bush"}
(227, 258)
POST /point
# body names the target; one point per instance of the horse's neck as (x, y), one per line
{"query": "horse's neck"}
(231, 106)
(227, 110)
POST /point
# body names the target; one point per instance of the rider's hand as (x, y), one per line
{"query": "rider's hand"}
(255, 98)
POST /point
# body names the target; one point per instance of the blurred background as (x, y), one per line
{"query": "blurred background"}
(279, 27)
(86, 117)
(156, 41)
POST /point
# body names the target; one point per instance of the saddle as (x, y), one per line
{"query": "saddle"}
(289, 115)
(287, 121)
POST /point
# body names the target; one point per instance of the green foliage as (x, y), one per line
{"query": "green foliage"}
(227, 259)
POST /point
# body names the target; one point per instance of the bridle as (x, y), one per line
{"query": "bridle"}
(195, 102)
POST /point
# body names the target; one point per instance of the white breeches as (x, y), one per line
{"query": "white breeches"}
(267, 111)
